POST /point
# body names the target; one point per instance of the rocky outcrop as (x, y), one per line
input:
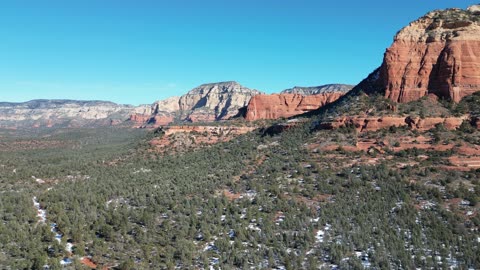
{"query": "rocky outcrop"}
(286, 105)
(215, 130)
(438, 53)
(69, 113)
(169, 105)
(315, 90)
(158, 114)
(363, 124)
(219, 101)
(188, 138)
(206, 103)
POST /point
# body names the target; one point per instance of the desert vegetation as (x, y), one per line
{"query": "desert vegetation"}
(255, 201)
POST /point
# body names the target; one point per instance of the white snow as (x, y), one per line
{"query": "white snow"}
(141, 170)
(465, 203)
(319, 236)
(364, 258)
(253, 227)
(42, 216)
(210, 246)
(38, 180)
(428, 205)
(66, 261)
(41, 213)
(69, 247)
(251, 194)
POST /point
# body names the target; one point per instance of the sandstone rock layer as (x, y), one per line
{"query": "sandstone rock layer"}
(438, 53)
(363, 124)
(286, 105)
(206, 103)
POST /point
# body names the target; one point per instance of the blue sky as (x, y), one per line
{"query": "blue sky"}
(139, 51)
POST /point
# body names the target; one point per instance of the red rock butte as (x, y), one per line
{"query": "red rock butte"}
(438, 53)
(286, 105)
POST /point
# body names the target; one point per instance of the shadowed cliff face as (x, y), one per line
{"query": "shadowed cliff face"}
(436, 54)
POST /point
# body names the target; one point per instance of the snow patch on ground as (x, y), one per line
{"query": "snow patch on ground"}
(38, 180)
(41, 213)
(141, 170)
(320, 235)
(66, 261)
(42, 218)
(364, 258)
(69, 247)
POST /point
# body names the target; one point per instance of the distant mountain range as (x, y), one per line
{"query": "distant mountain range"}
(72, 113)
(205, 103)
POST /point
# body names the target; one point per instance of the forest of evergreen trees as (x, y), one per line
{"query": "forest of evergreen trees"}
(258, 201)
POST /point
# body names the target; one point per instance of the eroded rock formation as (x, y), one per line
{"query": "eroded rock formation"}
(219, 101)
(287, 105)
(438, 53)
(206, 103)
(315, 90)
(188, 138)
(215, 130)
(363, 124)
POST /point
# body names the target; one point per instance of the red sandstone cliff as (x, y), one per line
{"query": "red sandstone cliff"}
(286, 105)
(438, 53)
(362, 124)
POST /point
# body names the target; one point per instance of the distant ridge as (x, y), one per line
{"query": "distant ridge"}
(37, 103)
(62, 112)
(322, 89)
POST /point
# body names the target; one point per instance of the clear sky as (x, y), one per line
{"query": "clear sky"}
(139, 51)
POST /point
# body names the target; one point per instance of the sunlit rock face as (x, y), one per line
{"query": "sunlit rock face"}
(206, 103)
(287, 105)
(70, 113)
(438, 54)
(217, 101)
(316, 90)
(364, 124)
